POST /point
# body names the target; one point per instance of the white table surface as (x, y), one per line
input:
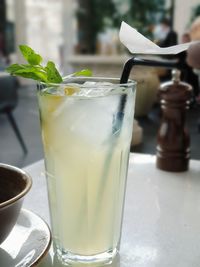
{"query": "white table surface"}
(161, 226)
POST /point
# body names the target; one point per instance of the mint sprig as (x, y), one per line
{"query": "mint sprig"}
(34, 70)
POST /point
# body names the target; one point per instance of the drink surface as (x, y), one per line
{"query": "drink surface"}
(86, 141)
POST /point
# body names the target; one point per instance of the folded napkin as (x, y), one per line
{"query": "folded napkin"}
(138, 44)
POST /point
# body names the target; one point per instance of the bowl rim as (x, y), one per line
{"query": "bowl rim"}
(28, 185)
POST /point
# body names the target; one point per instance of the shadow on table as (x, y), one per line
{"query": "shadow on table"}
(50, 261)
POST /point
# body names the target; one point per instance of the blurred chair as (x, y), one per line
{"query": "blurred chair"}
(8, 102)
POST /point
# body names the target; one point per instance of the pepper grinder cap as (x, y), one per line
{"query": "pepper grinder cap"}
(176, 75)
(175, 82)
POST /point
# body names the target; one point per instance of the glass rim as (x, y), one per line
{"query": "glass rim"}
(72, 79)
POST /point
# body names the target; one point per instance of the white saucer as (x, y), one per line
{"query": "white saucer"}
(28, 242)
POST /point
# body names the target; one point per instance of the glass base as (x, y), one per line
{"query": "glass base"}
(70, 259)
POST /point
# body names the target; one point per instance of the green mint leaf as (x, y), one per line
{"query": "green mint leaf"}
(85, 72)
(30, 75)
(32, 72)
(53, 76)
(13, 68)
(30, 55)
(28, 71)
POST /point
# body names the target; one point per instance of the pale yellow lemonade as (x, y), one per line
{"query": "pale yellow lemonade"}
(86, 142)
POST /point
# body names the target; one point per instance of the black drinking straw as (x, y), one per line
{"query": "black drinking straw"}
(120, 115)
(144, 62)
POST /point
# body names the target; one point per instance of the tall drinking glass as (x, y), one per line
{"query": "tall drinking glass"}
(86, 130)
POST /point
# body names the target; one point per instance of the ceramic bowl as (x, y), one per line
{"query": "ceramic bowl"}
(14, 185)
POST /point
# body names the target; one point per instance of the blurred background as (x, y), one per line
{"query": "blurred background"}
(79, 34)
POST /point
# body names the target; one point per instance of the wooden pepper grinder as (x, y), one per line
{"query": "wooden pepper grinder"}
(173, 141)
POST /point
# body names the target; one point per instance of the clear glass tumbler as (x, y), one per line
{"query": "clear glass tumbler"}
(86, 130)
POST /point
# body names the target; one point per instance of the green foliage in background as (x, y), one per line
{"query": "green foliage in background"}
(94, 16)
(195, 12)
(142, 14)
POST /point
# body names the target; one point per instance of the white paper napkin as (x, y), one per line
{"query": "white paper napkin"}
(138, 44)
